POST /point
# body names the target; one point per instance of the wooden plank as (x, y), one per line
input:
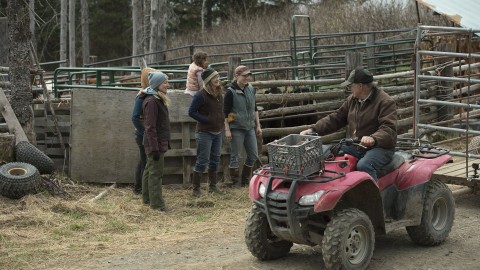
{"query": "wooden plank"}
(63, 120)
(3, 128)
(51, 129)
(456, 173)
(50, 140)
(11, 119)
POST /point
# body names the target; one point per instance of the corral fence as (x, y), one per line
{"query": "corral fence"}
(457, 95)
(300, 102)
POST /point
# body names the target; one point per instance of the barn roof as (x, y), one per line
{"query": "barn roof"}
(464, 12)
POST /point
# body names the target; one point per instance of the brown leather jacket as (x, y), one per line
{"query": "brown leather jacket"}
(375, 117)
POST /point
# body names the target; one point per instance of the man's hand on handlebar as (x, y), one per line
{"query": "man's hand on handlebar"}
(367, 141)
(307, 132)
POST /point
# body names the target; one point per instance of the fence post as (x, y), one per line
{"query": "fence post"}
(444, 91)
(352, 61)
(233, 62)
(370, 51)
(192, 51)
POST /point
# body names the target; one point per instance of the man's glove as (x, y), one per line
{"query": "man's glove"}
(156, 155)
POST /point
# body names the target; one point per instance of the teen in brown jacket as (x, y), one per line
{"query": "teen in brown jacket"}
(156, 139)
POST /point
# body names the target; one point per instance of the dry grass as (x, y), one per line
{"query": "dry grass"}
(41, 232)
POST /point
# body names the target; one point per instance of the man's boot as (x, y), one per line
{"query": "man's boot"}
(246, 175)
(233, 177)
(212, 182)
(196, 184)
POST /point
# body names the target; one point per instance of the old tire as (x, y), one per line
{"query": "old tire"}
(260, 240)
(28, 153)
(19, 179)
(437, 216)
(348, 241)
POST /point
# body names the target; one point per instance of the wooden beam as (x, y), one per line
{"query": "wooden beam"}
(11, 119)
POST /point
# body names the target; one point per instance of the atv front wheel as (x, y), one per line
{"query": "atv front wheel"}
(348, 241)
(437, 217)
(260, 240)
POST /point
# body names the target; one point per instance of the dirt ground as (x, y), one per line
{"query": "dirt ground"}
(224, 248)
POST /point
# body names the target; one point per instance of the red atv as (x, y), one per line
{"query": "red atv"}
(342, 209)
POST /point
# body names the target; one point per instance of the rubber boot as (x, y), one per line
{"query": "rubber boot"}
(246, 175)
(196, 184)
(212, 182)
(233, 177)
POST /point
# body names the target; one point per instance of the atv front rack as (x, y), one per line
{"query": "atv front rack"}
(310, 178)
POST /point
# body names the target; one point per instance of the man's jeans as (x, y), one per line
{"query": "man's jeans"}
(209, 146)
(240, 138)
(372, 160)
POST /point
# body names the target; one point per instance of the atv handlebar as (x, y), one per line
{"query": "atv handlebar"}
(354, 141)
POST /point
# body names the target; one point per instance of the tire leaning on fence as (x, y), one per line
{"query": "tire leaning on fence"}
(28, 153)
(18, 179)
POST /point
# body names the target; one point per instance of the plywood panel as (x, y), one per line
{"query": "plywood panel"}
(103, 148)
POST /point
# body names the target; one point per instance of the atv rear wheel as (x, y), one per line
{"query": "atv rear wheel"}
(348, 241)
(437, 217)
(260, 240)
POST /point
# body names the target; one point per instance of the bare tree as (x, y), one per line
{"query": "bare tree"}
(19, 37)
(85, 32)
(158, 31)
(146, 25)
(71, 33)
(137, 20)
(204, 11)
(31, 8)
(63, 31)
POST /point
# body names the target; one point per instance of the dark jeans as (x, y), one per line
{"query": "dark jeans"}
(209, 148)
(243, 138)
(372, 160)
(152, 182)
(142, 162)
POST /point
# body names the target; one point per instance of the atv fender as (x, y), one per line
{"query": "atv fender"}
(254, 185)
(420, 171)
(339, 187)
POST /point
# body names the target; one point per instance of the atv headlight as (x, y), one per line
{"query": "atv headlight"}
(261, 190)
(311, 199)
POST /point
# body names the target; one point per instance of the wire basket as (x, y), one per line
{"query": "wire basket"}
(295, 155)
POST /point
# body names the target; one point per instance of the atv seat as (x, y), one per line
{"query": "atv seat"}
(396, 162)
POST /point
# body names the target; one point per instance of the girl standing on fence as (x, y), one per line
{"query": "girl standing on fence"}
(194, 75)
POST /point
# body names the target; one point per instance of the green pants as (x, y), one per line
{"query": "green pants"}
(152, 182)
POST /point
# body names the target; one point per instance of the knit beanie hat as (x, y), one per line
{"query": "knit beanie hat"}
(156, 79)
(144, 77)
(208, 74)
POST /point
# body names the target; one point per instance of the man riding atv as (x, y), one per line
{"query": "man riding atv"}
(371, 115)
(342, 198)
